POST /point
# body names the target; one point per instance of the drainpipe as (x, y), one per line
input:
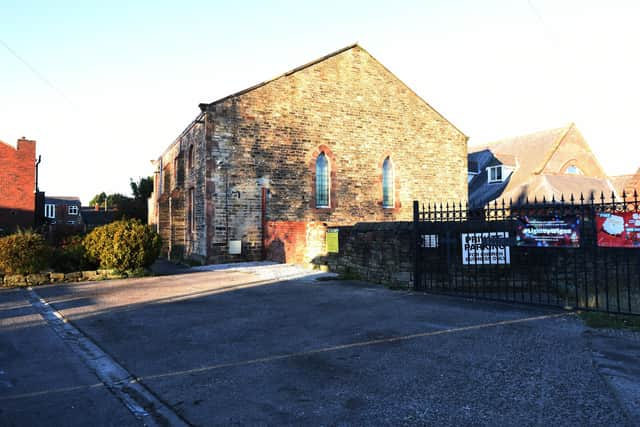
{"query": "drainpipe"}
(170, 229)
(226, 203)
(37, 164)
(264, 222)
(36, 219)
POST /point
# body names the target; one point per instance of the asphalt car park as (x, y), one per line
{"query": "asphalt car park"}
(263, 345)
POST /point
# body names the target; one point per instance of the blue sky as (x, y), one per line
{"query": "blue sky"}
(104, 87)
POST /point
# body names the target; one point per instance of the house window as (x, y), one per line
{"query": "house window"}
(322, 181)
(387, 184)
(49, 211)
(72, 210)
(573, 170)
(496, 174)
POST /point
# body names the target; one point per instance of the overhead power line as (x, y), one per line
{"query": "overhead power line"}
(35, 72)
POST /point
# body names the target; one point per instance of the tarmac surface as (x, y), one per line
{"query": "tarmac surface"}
(263, 344)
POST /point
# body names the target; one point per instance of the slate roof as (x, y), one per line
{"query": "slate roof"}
(527, 155)
(62, 200)
(620, 182)
(94, 218)
(555, 186)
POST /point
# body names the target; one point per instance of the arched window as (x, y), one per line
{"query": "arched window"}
(322, 181)
(573, 170)
(387, 184)
(190, 158)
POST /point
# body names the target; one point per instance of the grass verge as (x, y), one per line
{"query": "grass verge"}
(610, 321)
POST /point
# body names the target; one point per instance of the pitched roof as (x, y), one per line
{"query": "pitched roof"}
(533, 151)
(92, 217)
(627, 183)
(61, 199)
(556, 186)
(620, 182)
(7, 144)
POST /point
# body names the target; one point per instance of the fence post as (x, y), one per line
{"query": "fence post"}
(416, 245)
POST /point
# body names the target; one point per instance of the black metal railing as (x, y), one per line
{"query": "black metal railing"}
(579, 252)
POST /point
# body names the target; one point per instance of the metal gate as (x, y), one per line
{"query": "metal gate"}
(579, 254)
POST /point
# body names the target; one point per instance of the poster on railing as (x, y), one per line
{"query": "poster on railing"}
(618, 229)
(548, 231)
(487, 248)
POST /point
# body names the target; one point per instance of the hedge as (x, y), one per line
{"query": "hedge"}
(24, 252)
(123, 245)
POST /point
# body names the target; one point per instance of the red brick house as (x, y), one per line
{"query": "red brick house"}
(63, 210)
(62, 216)
(261, 174)
(17, 185)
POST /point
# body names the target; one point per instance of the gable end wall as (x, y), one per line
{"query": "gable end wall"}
(267, 137)
(17, 184)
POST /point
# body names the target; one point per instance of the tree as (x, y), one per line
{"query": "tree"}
(142, 189)
(98, 198)
(129, 207)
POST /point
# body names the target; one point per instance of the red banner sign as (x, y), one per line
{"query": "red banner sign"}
(618, 229)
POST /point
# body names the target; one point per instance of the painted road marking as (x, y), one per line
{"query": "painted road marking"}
(351, 345)
(136, 381)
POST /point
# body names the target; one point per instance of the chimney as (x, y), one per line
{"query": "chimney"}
(96, 206)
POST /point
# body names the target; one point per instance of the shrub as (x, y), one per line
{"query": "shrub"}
(123, 245)
(71, 256)
(24, 252)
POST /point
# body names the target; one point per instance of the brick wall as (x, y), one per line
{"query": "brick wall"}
(17, 184)
(348, 106)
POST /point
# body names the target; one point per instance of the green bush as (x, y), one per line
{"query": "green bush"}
(71, 256)
(24, 252)
(122, 245)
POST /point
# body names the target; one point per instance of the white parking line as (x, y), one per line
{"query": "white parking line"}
(105, 367)
(352, 345)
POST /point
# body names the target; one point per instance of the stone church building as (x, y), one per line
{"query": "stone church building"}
(262, 173)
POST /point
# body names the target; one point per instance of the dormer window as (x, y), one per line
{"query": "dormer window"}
(496, 174)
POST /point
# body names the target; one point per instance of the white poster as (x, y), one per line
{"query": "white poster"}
(485, 248)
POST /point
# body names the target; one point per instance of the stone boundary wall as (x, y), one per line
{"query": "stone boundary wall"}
(379, 252)
(12, 280)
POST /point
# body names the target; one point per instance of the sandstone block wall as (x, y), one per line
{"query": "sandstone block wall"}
(346, 105)
(375, 252)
